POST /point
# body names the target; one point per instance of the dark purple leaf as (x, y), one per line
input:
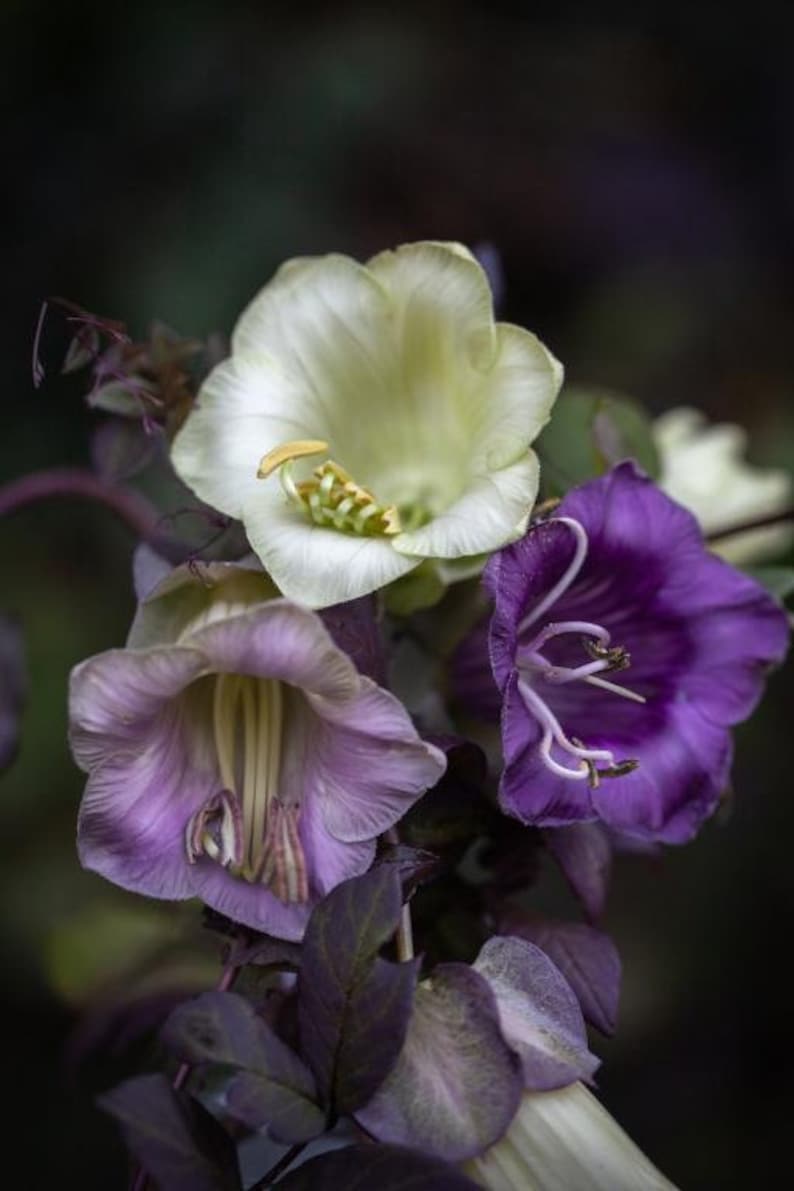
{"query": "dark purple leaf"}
(376, 1168)
(456, 809)
(175, 1140)
(539, 1013)
(13, 687)
(584, 853)
(120, 448)
(457, 1083)
(353, 1006)
(414, 865)
(266, 951)
(355, 629)
(270, 1087)
(587, 958)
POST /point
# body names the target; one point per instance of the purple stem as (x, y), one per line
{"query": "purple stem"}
(135, 510)
(761, 523)
(140, 1178)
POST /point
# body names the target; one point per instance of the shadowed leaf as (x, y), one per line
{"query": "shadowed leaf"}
(353, 1006)
(268, 1086)
(369, 1167)
(175, 1140)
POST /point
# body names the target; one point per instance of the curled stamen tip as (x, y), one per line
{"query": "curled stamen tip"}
(620, 769)
(391, 520)
(298, 449)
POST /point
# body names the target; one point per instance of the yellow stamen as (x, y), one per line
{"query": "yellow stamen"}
(299, 449)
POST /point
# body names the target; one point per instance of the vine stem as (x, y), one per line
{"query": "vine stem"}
(405, 932)
(745, 527)
(283, 1163)
(140, 1178)
(135, 510)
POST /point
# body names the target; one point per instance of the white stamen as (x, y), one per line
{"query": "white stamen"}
(565, 581)
(616, 689)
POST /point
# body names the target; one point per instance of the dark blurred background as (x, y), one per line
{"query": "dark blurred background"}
(636, 172)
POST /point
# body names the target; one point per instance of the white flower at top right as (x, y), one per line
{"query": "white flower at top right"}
(703, 468)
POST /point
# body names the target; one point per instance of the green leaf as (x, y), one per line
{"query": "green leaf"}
(591, 430)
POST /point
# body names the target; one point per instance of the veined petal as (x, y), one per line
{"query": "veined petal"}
(371, 763)
(565, 1141)
(486, 516)
(317, 566)
(516, 402)
(246, 407)
(279, 640)
(119, 694)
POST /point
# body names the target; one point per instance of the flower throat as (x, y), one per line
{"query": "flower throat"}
(591, 764)
(249, 826)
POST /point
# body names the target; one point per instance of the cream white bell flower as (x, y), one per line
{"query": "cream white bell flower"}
(703, 468)
(565, 1141)
(371, 417)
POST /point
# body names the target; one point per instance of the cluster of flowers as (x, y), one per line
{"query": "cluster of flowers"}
(278, 724)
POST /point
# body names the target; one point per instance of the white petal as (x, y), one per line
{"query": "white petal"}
(313, 565)
(565, 1141)
(517, 397)
(489, 514)
(244, 409)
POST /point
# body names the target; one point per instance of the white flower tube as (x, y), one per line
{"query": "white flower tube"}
(565, 1141)
(370, 417)
(703, 469)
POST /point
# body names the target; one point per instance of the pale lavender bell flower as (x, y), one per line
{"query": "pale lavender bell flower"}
(623, 652)
(235, 753)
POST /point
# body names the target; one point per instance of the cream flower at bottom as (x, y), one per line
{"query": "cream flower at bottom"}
(703, 468)
(371, 417)
(565, 1141)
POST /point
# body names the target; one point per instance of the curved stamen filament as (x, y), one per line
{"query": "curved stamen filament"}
(568, 576)
(555, 734)
(585, 628)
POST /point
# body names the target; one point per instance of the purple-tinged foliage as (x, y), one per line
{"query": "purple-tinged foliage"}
(619, 579)
(376, 1168)
(355, 628)
(235, 753)
(584, 853)
(538, 1013)
(175, 1140)
(268, 1087)
(587, 958)
(354, 1006)
(457, 1082)
(13, 687)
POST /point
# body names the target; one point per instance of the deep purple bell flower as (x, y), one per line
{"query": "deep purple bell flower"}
(624, 651)
(235, 753)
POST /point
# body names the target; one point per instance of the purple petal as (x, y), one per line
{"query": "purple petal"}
(587, 958)
(539, 1013)
(456, 1085)
(279, 640)
(584, 853)
(373, 763)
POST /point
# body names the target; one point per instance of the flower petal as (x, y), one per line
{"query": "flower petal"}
(489, 513)
(317, 566)
(279, 640)
(246, 407)
(371, 765)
